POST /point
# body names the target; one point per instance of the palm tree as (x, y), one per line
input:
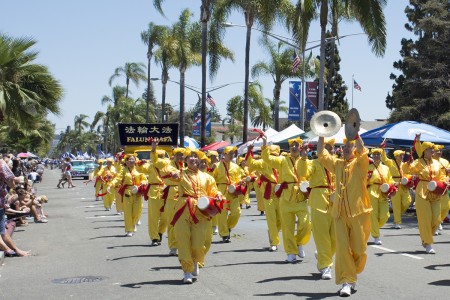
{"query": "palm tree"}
(165, 57)
(187, 36)
(132, 71)
(279, 68)
(150, 37)
(27, 89)
(369, 14)
(264, 13)
(234, 119)
(80, 123)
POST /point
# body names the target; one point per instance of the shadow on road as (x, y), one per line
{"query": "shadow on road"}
(445, 282)
(240, 250)
(303, 295)
(436, 267)
(134, 256)
(138, 285)
(419, 252)
(313, 277)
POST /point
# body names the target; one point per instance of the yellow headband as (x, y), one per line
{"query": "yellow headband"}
(297, 140)
(399, 152)
(212, 153)
(130, 155)
(329, 141)
(438, 147)
(178, 150)
(229, 149)
(376, 150)
(189, 151)
(274, 150)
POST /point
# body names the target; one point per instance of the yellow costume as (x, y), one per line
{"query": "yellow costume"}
(98, 182)
(106, 176)
(445, 169)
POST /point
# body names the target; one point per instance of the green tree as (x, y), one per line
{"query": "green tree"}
(80, 123)
(262, 12)
(368, 13)
(133, 72)
(279, 67)
(27, 90)
(421, 92)
(336, 89)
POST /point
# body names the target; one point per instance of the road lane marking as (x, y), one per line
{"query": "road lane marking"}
(96, 217)
(393, 251)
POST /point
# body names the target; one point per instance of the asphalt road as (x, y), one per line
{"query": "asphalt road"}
(81, 253)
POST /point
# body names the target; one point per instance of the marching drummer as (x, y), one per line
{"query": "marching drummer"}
(428, 205)
(321, 185)
(166, 167)
(293, 204)
(129, 181)
(98, 182)
(190, 224)
(402, 198)
(244, 198)
(106, 175)
(378, 179)
(228, 174)
(445, 169)
(265, 184)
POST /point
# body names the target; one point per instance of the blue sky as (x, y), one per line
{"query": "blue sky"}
(82, 42)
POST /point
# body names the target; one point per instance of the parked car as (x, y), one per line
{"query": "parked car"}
(82, 168)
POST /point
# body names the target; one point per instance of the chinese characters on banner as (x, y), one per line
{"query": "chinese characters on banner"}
(131, 134)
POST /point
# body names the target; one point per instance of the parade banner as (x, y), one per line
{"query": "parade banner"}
(196, 125)
(312, 99)
(131, 134)
(295, 96)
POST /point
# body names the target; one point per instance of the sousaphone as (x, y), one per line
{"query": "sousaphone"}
(325, 123)
(352, 124)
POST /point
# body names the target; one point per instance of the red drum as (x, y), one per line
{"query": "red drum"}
(437, 187)
(236, 189)
(388, 189)
(208, 206)
(408, 182)
(304, 188)
(250, 178)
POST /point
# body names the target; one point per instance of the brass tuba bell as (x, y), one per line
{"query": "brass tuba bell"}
(325, 123)
(352, 124)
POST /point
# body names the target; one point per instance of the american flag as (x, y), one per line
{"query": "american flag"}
(295, 62)
(210, 100)
(356, 85)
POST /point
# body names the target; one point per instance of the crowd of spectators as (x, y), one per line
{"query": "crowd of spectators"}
(19, 202)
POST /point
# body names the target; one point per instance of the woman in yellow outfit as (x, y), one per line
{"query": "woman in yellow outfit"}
(157, 220)
(225, 174)
(245, 198)
(118, 165)
(377, 175)
(445, 170)
(213, 161)
(266, 183)
(98, 182)
(351, 210)
(402, 198)
(166, 167)
(293, 204)
(190, 224)
(106, 175)
(428, 205)
(321, 183)
(128, 181)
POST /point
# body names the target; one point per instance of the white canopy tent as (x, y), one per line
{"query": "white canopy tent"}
(257, 143)
(291, 131)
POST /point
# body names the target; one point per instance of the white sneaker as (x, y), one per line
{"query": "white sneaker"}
(173, 252)
(437, 232)
(139, 222)
(215, 230)
(377, 241)
(129, 234)
(397, 226)
(273, 248)
(346, 290)
(187, 278)
(440, 227)
(430, 250)
(326, 273)
(135, 228)
(316, 254)
(196, 269)
(291, 258)
(301, 252)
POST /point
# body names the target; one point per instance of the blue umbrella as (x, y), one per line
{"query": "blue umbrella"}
(190, 143)
(403, 134)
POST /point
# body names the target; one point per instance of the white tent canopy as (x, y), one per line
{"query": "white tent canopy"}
(291, 131)
(338, 137)
(257, 143)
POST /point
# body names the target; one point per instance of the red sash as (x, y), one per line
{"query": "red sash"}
(180, 212)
